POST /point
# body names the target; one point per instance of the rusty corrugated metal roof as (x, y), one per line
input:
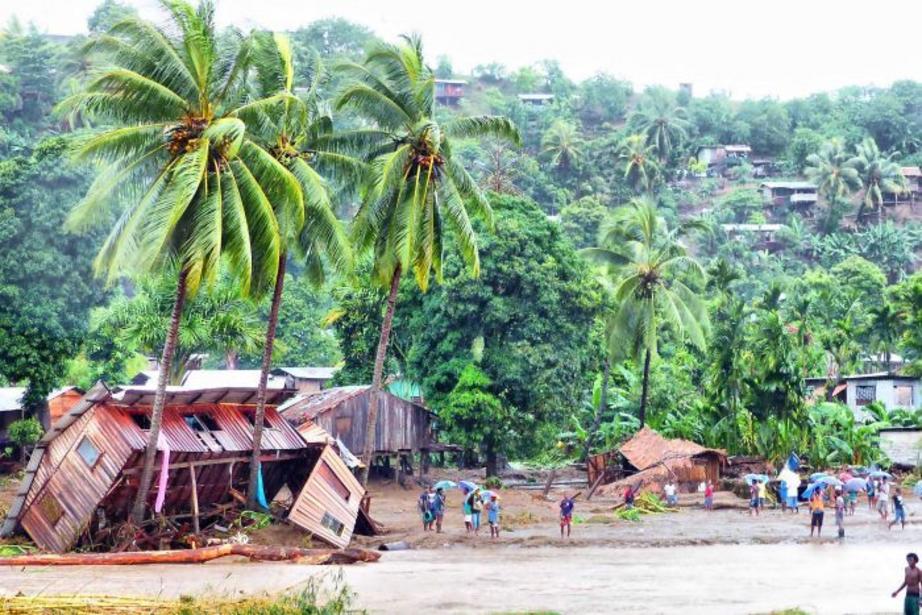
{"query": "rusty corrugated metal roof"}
(308, 406)
(647, 448)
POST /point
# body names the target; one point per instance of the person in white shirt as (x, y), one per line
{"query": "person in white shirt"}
(883, 498)
(670, 490)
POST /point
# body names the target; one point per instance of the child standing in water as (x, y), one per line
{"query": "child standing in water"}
(493, 516)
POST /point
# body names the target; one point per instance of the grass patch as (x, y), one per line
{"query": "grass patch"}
(520, 519)
(315, 599)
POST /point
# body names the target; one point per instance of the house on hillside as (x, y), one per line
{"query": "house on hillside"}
(651, 459)
(912, 176)
(536, 100)
(449, 92)
(85, 470)
(403, 428)
(891, 390)
(720, 157)
(797, 195)
(307, 379)
(763, 236)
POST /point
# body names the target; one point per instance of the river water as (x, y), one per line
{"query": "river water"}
(820, 578)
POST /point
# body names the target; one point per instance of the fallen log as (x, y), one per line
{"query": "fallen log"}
(195, 556)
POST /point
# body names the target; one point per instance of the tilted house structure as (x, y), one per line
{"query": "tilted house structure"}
(652, 459)
(403, 427)
(88, 465)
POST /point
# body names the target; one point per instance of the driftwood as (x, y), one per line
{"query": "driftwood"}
(195, 556)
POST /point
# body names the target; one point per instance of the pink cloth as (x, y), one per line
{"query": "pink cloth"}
(164, 472)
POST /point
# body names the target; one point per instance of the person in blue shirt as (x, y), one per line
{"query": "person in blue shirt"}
(566, 514)
(493, 516)
(438, 509)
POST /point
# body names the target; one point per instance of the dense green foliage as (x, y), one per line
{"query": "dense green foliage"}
(511, 360)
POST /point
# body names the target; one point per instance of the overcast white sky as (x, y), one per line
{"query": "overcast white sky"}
(779, 48)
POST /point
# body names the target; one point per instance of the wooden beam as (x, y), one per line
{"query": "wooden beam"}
(224, 460)
(195, 525)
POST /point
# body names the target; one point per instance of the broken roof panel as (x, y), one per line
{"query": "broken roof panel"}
(647, 448)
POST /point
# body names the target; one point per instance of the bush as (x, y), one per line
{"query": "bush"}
(25, 432)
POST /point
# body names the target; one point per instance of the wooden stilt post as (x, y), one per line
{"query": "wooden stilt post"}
(195, 524)
(424, 462)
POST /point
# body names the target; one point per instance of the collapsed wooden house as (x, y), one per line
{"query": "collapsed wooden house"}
(86, 470)
(651, 459)
(403, 427)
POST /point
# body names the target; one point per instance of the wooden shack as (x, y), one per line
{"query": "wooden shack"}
(403, 427)
(653, 459)
(87, 467)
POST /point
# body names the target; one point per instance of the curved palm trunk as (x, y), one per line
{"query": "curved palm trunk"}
(260, 414)
(378, 377)
(156, 415)
(603, 404)
(645, 390)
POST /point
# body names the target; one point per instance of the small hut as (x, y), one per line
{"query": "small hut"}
(653, 459)
(87, 468)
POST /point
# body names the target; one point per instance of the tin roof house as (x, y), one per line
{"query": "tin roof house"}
(891, 390)
(88, 465)
(798, 195)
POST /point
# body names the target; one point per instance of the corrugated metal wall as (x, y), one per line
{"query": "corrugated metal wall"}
(401, 425)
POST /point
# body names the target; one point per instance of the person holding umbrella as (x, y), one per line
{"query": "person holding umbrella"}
(438, 509)
(816, 511)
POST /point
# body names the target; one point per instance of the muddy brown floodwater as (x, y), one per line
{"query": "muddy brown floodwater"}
(819, 578)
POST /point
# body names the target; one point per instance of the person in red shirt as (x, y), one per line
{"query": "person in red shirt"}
(709, 496)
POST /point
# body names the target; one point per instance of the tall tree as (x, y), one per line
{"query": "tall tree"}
(416, 188)
(192, 187)
(640, 166)
(290, 133)
(562, 144)
(878, 174)
(662, 122)
(836, 179)
(885, 327)
(649, 272)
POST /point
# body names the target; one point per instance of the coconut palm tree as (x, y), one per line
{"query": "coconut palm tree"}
(835, 178)
(562, 144)
(878, 175)
(416, 189)
(193, 188)
(640, 166)
(663, 123)
(885, 326)
(291, 133)
(649, 272)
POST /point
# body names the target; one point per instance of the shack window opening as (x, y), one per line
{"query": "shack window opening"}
(903, 395)
(865, 394)
(251, 417)
(333, 524)
(201, 422)
(51, 508)
(88, 452)
(142, 421)
(334, 482)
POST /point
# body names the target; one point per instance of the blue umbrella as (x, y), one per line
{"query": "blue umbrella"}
(751, 478)
(856, 484)
(881, 474)
(446, 484)
(467, 486)
(817, 476)
(808, 492)
(487, 494)
(829, 480)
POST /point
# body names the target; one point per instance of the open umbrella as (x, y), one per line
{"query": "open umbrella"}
(816, 476)
(446, 484)
(829, 480)
(808, 492)
(856, 484)
(751, 478)
(845, 477)
(881, 474)
(467, 486)
(486, 494)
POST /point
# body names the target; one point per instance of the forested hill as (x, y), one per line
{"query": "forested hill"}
(817, 285)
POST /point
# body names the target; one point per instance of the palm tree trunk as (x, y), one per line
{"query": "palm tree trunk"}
(645, 390)
(603, 404)
(378, 377)
(156, 414)
(260, 414)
